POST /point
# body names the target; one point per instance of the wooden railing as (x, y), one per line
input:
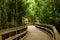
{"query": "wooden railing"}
(16, 33)
(50, 29)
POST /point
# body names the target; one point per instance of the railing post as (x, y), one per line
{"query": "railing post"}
(0, 37)
(56, 34)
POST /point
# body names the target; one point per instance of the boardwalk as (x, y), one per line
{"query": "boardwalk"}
(36, 34)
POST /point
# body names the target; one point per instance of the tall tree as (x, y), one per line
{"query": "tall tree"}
(0, 12)
(5, 21)
(16, 10)
(12, 10)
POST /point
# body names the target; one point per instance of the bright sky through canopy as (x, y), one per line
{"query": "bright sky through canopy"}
(31, 6)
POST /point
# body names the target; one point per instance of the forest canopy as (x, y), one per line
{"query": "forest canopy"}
(17, 12)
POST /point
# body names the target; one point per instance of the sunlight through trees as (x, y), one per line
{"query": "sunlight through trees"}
(14, 13)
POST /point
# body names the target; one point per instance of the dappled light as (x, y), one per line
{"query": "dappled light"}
(36, 34)
(29, 19)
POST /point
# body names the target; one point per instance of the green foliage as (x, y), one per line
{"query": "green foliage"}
(48, 12)
(39, 11)
(12, 25)
(22, 7)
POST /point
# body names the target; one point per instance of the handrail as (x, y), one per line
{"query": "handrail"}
(13, 33)
(52, 30)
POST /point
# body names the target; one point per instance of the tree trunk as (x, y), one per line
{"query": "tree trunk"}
(16, 10)
(5, 22)
(20, 21)
(0, 16)
(11, 11)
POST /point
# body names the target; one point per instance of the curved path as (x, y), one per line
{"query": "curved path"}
(36, 34)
